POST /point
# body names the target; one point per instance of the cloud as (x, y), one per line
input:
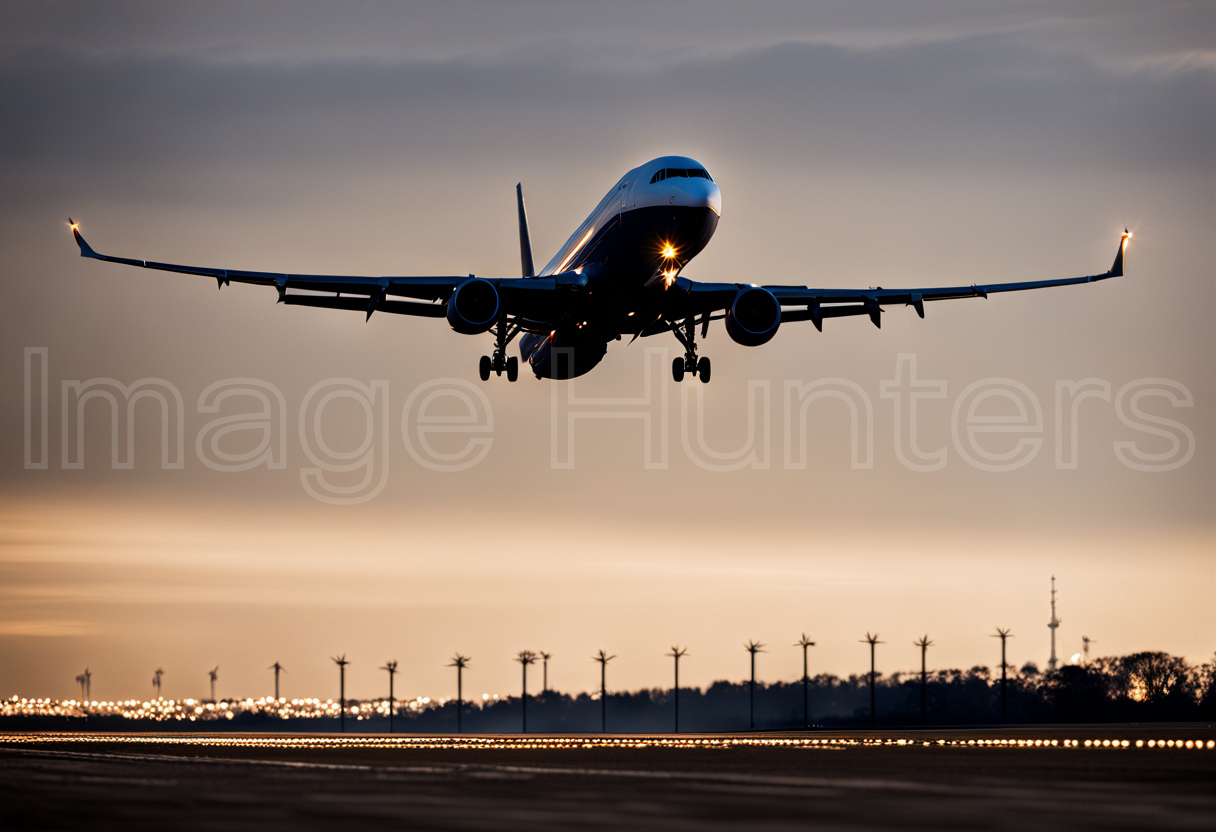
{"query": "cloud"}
(993, 99)
(48, 628)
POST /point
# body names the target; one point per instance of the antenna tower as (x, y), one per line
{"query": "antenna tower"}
(1053, 625)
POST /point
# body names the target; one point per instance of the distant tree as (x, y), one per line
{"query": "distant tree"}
(1077, 693)
(1154, 679)
(1205, 683)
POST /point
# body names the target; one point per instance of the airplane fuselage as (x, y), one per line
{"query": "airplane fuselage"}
(631, 248)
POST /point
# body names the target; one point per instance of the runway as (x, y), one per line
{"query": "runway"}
(856, 780)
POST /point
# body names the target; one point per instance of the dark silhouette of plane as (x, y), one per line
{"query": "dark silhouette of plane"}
(620, 273)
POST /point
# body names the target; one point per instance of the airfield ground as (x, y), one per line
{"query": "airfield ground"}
(960, 779)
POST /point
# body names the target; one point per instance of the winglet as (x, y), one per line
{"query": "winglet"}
(85, 249)
(1117, 269)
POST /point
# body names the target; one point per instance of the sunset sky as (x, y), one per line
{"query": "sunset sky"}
(855, 144)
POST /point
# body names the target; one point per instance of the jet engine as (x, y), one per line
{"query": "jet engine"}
(473, 307)
(753, 317)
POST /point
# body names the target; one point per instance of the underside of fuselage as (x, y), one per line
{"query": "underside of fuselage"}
(625, 262)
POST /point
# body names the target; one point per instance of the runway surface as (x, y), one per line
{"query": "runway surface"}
(982, 779)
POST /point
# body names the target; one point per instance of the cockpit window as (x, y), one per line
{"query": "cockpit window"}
(668, 173)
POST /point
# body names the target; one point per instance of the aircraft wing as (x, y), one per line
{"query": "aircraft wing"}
(370, 293)
(800, 303)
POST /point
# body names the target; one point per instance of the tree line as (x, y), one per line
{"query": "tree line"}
(1142, 687)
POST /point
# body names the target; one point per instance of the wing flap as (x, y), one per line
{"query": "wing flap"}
(357, 304)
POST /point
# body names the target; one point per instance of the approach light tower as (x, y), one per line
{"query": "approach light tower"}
(1053, 625)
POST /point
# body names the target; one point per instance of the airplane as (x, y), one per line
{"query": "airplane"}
(620, 273)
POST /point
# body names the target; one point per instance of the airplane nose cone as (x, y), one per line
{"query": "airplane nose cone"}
(698, 193)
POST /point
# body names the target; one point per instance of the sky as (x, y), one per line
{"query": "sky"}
(855, 144)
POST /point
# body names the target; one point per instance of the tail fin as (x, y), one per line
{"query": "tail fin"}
(525, 239)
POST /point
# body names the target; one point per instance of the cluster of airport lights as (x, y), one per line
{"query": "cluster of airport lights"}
(509, 743)
(194, 709)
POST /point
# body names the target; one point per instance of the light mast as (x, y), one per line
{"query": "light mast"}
(1053, 625)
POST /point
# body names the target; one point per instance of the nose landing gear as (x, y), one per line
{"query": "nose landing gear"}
(689, 364)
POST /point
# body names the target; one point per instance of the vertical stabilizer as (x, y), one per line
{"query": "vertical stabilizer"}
(525, 239)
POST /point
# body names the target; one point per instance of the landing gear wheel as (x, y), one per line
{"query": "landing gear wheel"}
(512, 368)
(677, 369)
(703, 370)
(485, 367)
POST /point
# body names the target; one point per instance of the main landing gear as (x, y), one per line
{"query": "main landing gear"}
(690, 364)
(499, 363)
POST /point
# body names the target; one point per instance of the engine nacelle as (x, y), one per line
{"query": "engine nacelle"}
(473, 307)
(753, 317)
